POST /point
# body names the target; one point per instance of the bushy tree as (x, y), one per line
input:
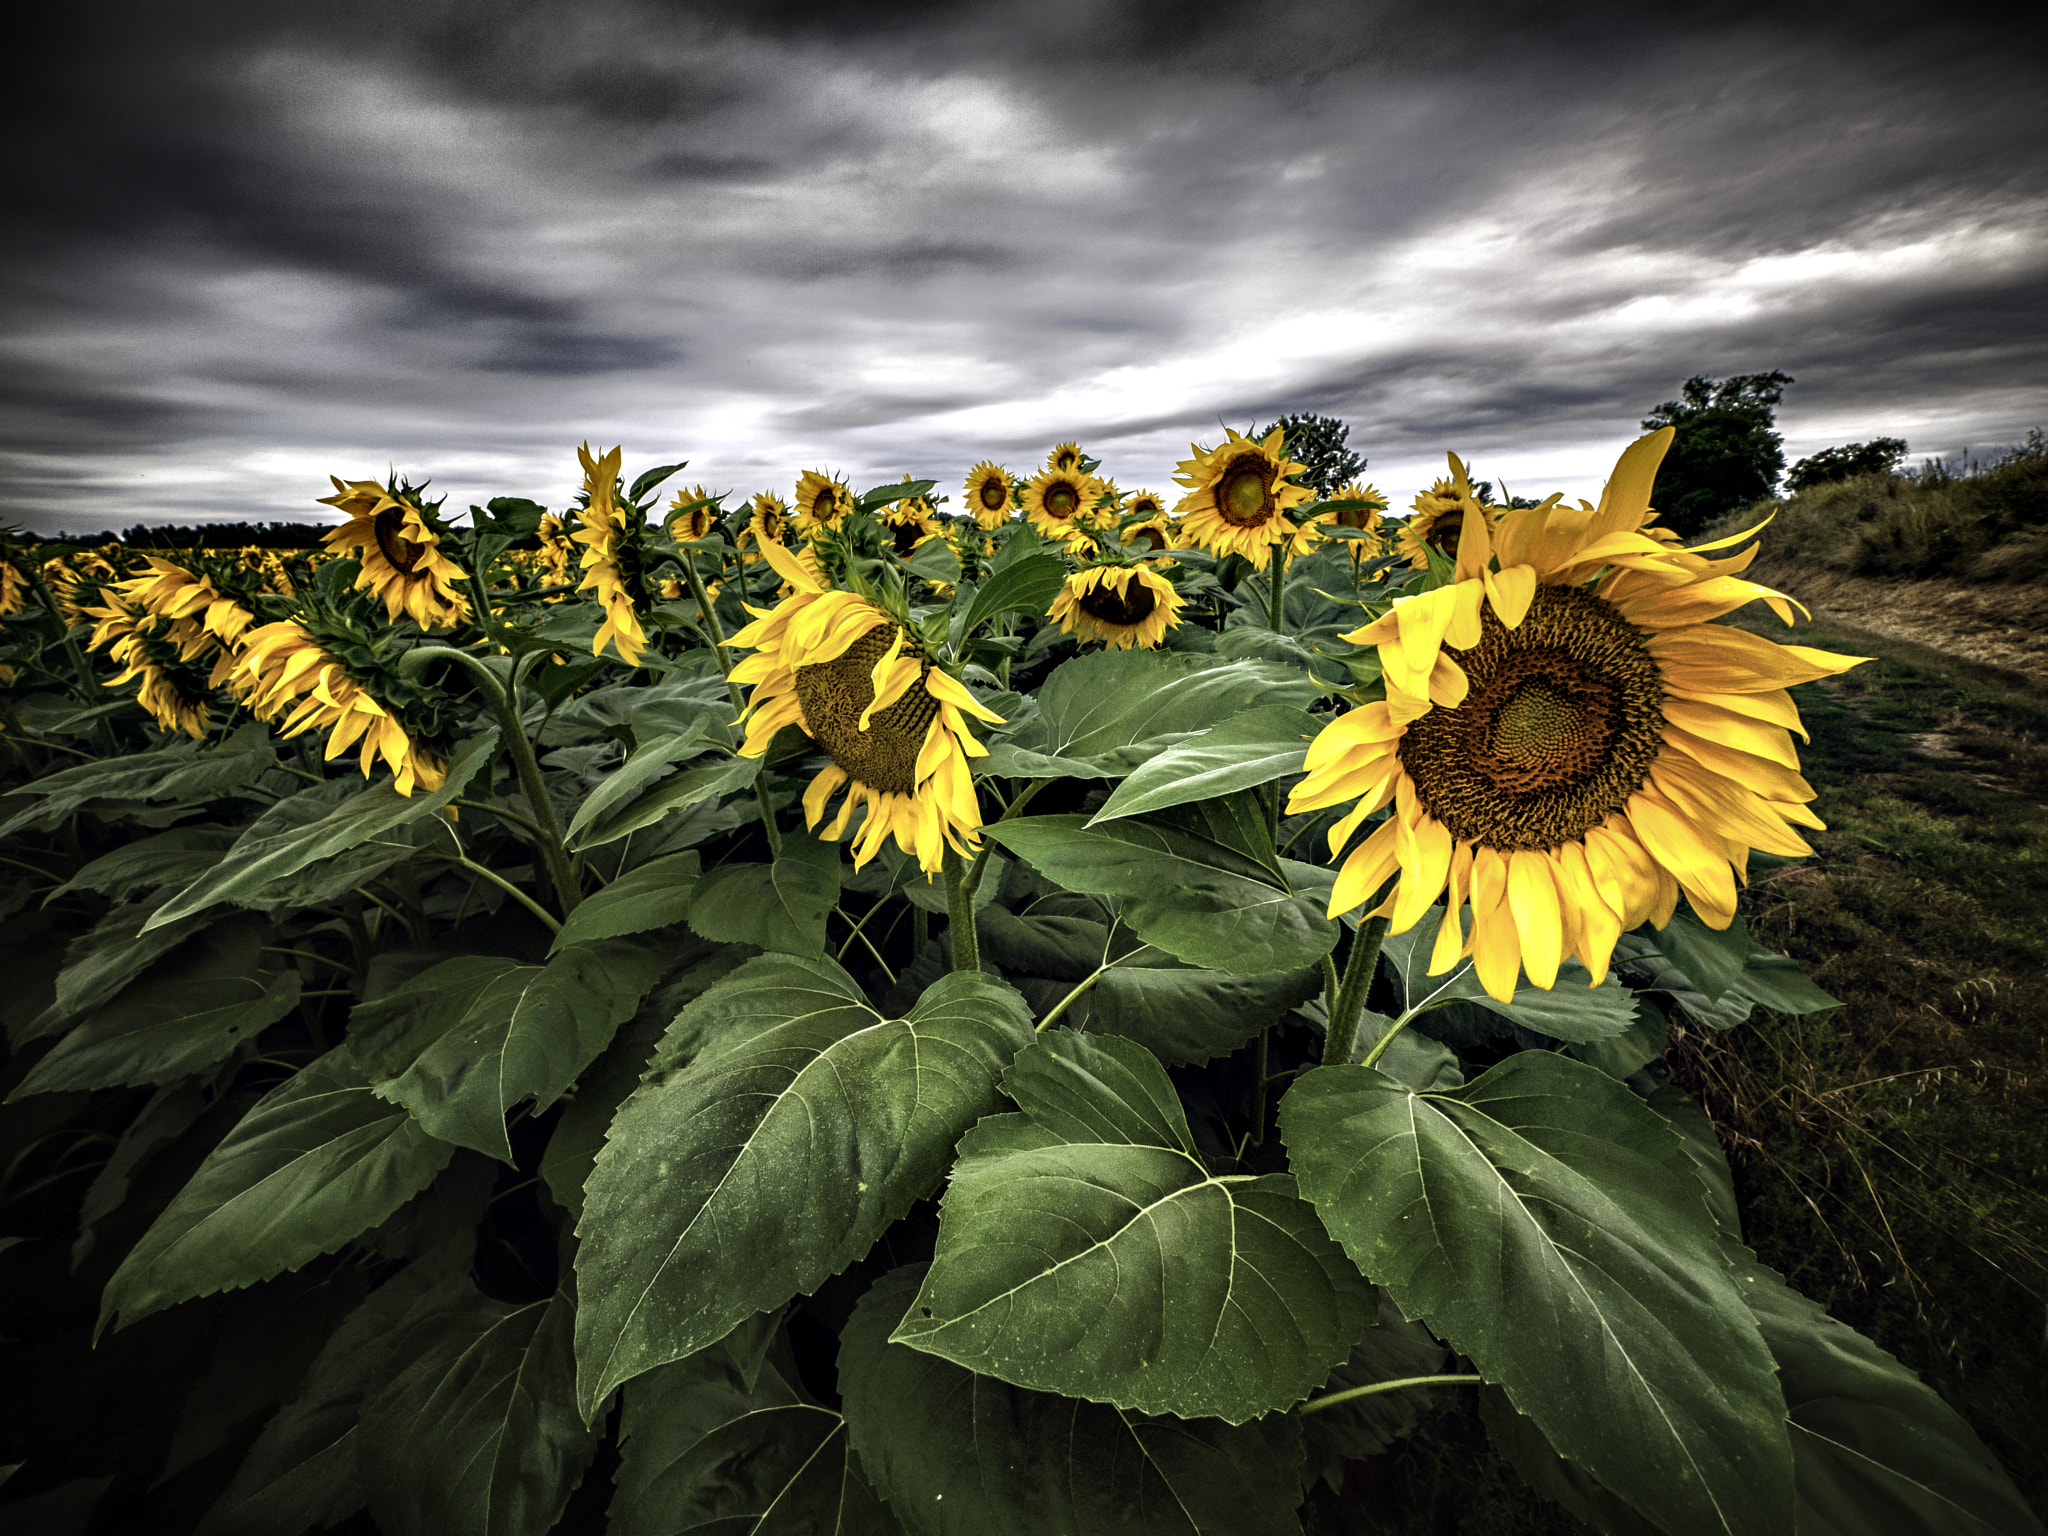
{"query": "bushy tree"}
(1879, 456)
(1727, 452)
(1318, 442)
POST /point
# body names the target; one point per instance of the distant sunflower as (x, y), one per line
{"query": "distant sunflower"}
(1120, 605)
(294, 679)
(989, 494)
(604, 535)
(1065, 459)
(821, 501)
(557, 553)
(13, 590)
(1438, 517)
(895, 726)
(1060, 503)
(1365, 518)
(140, 642)
(911, 523)
(696, 523)
(1568, 740)
(767, 523)
(1238, 496)
(201, 620)
(401, 554)
(74, 582)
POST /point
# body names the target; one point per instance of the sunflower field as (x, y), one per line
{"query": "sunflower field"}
(1062, 1010)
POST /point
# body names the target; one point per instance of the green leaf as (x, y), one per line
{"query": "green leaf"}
(1622, 1056)
(957, 1454)
(780, 906)
(1197, 899)
(1242, 752)
(124, 944)
(478, 1434)
(647, 480)
(1083, 1249)
(186, 770)
(1064, 947)
(1710, 958)
(528, 1032)
(935, 561)
(803, 1124)
(319, 1159)
(1185, 1016)
(254, 861)
(1392, 1349)
(1028, 586)
(176, 857)
(652, 896)
(1102, 715)
(1779, 984)
(301, 1472)
(1547, 1224)
(666, 797)
(187, 1013)
(1573, 1010)
(651, 760)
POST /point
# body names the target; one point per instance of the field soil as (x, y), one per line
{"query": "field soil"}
(2001, 624)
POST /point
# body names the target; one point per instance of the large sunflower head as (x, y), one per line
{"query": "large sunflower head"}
(176, 694)
(858, 681)
(821, 501)
(1060, 504)
(400, 548)
(287, 675)
(1120, 605)
(1569, 740)
(606, 537)
(990, 494)
(767, 523)
(1238, 496)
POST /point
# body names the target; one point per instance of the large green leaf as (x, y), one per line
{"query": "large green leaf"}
(1571, 1010)
(957, 1454)
(1197, 898)
(1548, 1225)
(464, 1041)
(1183, 1015)
(1028, 586)
(780, 906)
(99, 963)
(301, 1472)
(185, 770)
(256, 860)
(710, 1447)
(668, 796)
(803, 1124)
(188, 1012)
(653, 759)
(652, 896)
(478, 1434)
(1085, 1249)
(1246, 750)
(1102, 715)
(319, 1159)
(176, 857)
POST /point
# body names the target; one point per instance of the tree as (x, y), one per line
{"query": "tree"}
(1726, 454)
(1318, 443)
(1879, 456)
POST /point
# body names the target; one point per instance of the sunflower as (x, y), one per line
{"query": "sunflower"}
(1238, 496)
(821, 502)
(603, 535)
(1366, 517)
(767, 523)
(13, 590)
(857, 680)
(1065, 459)
(696, 523)
(200, 620)
(990, 494)
(400, 551)
(557, 553)
(141, 643)
(1060, 502)
(1568, 740)
(910, 523)
(1438, 518)
(1120, 605)
(283, 663)
(75, 581)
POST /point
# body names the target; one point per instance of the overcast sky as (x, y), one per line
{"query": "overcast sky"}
(249, 245)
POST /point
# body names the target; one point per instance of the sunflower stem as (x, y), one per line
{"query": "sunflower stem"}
(1398, 1384)
(1276, 580)
(500, 882)
(1359, 969)
(504, 704)
(960, 915)
(1014, 809)
(715, 633)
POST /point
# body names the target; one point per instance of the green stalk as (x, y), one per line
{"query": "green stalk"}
(1359, 969)
(102, 734)
(1277, 581)
(505, 706)
(960, 914)
(715, 632)
(1398, 1384)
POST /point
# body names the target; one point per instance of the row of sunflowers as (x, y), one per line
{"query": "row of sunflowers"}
(1064, 1008)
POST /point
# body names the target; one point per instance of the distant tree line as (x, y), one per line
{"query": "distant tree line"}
(201, 536)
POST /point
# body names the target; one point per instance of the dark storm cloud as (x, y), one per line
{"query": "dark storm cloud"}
(252, 244)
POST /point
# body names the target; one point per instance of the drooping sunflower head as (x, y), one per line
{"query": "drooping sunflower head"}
(859, 682)
(821, 501)
(1239, 495)
(692, 515)
(176, 694)
(400, 547)
(1060, 504)
(990, 494)
(288, 675)
(1569, 739)
(767, 523)
(1120, 605)
(14, 588)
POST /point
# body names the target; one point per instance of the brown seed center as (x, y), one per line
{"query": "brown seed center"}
(1061, 500)
(832, 695)
(402, 553)
(1243, 497)
(994, 494)
(1133, 605)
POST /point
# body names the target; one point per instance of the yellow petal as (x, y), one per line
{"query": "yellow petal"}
(1532, 896)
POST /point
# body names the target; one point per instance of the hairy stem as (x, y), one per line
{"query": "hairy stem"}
(960, 915)
(1398, 1384)
(1358, 973)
